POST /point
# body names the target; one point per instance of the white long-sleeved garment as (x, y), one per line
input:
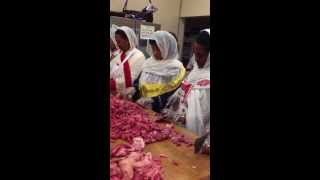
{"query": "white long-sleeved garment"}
(194, 95)
(135, 63)
(135, 59)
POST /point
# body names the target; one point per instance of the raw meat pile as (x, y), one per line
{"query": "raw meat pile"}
(129, 162)
(129, 120)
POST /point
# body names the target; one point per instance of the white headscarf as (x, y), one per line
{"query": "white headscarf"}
(169, 65)
(167, 71)
(207, 64)
(167, 44)
(113, 30)
(200, 73)
(131, 35)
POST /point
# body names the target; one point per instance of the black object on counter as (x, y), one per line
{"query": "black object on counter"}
(199, 143)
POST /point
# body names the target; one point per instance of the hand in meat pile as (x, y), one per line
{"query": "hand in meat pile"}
(128, 93)
(145, 102)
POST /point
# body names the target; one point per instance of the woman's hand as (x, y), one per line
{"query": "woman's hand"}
(128, 93)
(145, 102)
(165, 113)
(182, 120)
(176, 104)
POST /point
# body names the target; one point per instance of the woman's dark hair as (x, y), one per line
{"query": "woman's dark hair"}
(122, 34)
(204, 39)
(153, 42)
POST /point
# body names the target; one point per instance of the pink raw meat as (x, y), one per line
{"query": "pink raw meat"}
(129, 120)
(134, 163)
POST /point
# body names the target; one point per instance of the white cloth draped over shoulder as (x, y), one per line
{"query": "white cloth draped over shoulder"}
(161, 76)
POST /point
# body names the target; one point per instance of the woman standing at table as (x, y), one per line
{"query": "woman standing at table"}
(161, 74)
(125, 67)
(191, 102)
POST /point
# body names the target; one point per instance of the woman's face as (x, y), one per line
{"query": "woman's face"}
(200, 54)
(156, 52)
(123, 43)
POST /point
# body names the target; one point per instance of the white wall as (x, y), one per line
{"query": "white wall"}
(190, 8)
(167, 16)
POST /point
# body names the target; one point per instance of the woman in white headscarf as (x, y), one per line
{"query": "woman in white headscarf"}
(192, 99)
(125, 67)
(161, 74)
(114, 49)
